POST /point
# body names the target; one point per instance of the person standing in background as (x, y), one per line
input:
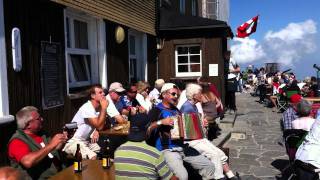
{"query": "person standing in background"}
(232, 85)
(155, 93)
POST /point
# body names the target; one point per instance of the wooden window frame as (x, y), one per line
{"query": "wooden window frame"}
(187, 74)
(92, 51)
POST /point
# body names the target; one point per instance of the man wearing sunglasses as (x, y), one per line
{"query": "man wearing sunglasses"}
(175, 152)
(116, 90)
(128, 103)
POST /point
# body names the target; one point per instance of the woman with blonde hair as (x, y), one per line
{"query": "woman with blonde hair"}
(210, 103)
(143, 96)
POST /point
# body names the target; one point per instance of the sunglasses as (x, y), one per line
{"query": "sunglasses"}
(174, 94)
(119, 93)
(135, 92)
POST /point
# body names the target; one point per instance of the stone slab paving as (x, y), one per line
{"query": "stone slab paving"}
(259, 156)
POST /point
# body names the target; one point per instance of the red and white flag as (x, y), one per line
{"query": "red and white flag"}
(247, 28)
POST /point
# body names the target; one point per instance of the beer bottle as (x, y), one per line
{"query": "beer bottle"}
(106, 163)
(77, 165)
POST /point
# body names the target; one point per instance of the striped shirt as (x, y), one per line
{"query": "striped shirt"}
(137, 160)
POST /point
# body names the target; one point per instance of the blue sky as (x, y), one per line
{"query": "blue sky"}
(287, 32)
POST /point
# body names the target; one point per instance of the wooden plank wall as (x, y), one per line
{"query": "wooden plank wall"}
(212, 53)
(137, 14)
(152, 59)
(37, 21)
(117, 55)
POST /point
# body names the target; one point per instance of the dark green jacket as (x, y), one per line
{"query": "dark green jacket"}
(45, 168)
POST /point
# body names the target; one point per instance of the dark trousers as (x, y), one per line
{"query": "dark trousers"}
(305, 171)
(231, 100)
(212, 131)
(262, 90)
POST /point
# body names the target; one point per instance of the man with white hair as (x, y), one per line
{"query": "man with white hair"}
(204, 146)
(30, 150)
(155, 93)
(193, 94)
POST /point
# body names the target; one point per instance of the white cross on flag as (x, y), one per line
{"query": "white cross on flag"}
(247, 28)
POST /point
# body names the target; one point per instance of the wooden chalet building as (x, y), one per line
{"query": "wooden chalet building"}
(66, 46)
(53, 50)
(190, 46)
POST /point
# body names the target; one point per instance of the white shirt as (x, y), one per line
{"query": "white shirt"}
(304, 123)
(145, 103)
(111, 109)
(232, 65)
(154, 94)
(84, 129)
(309, 150)
(182, 99)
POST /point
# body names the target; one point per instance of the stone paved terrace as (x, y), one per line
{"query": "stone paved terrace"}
(257, 155)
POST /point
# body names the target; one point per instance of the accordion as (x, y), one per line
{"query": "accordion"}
(188, 127)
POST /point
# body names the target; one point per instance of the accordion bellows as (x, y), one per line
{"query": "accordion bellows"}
(188, 127)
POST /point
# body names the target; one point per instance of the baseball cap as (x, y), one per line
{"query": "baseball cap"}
(138, 127)
(167, 86)
(296, 98)
(116, 87)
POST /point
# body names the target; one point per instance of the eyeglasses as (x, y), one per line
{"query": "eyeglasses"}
(135, 92)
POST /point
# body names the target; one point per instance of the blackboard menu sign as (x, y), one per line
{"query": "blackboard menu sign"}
(52, 73)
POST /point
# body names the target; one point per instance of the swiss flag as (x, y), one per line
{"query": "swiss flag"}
(247, 28)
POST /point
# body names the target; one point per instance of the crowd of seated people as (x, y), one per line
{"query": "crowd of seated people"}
(301, 133)
(118, 105)
(275, 89)
(300, 118)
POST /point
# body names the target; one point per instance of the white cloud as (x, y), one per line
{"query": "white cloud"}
(246, 50)
(293, 32)
(286, 46)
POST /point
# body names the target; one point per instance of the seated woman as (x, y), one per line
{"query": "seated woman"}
(210, 103)
(304, 121)
(293, 87)
(143, 95)
(313, 87)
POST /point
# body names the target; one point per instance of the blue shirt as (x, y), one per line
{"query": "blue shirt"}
(188, 107)
(127, 103)
(165, 112)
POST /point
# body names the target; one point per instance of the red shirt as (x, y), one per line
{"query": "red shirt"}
(17, 148)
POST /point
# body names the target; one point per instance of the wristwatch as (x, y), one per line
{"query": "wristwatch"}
(159, 122)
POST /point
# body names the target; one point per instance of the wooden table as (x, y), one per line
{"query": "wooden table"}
(91, 169)
(122, 132)
(312, 99)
